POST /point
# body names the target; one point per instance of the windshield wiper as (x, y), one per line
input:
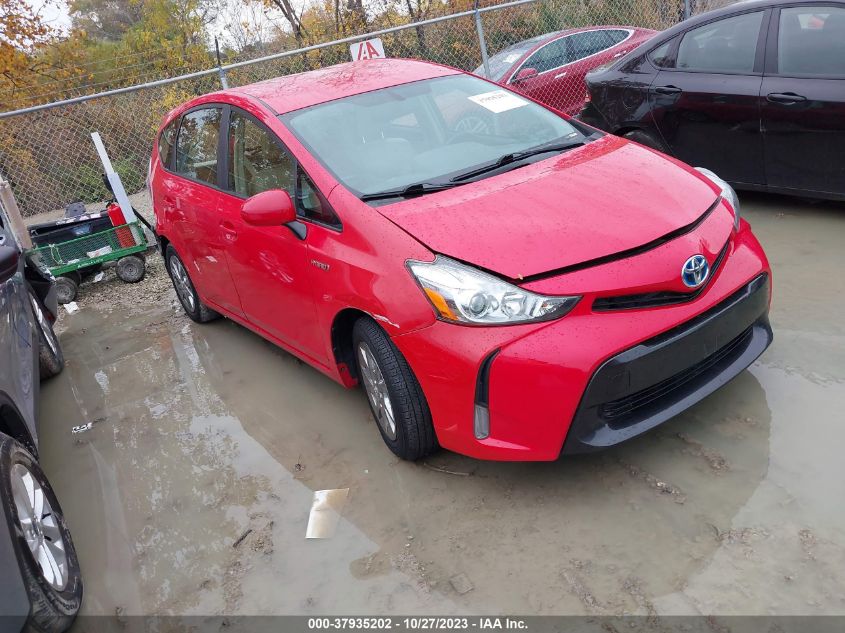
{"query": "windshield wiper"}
(507, 159)
(417, 189)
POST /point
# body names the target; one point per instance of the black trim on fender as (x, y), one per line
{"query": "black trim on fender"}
(482, 382)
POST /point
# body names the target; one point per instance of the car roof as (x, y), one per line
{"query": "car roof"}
(293, 92)
(736, 7)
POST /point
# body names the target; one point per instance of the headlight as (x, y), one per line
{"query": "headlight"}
(462, 294)
(728, 192)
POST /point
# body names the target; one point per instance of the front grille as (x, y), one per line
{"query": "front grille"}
(656, 299)
(616, 409)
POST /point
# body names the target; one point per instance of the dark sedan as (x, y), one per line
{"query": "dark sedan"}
(39, 573)
(754, 92)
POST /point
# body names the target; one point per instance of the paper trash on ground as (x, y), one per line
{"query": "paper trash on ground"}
(105, 250)
(325, 512)
(71, 307)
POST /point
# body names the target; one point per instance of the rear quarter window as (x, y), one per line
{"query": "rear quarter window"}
(196, 145)
(166, 141)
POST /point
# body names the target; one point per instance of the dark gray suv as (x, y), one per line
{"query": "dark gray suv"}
(40, 584)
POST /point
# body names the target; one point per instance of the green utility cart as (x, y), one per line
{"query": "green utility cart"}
(71, 260)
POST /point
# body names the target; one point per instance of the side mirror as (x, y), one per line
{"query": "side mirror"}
(524, 74)
(9, 256)
(269, 208)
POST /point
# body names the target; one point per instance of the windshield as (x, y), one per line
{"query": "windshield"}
(501, 62)
(423, 132)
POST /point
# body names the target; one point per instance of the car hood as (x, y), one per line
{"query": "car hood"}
(596, 201)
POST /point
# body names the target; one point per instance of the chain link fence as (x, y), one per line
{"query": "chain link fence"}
(47, 155)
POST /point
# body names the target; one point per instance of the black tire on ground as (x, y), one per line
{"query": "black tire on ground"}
(53, 609)
(648, 139)
(188, 297)
(66, 289)
(130, 269)
(414, 432)
(51, 360)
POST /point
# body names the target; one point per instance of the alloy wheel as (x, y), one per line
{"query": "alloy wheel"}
(40, 524)
(376, 389)
(182, 283)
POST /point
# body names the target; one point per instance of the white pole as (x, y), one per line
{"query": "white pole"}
(114, 180)
(18, 226)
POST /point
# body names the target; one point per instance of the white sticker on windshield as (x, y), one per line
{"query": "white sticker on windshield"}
(498, 101)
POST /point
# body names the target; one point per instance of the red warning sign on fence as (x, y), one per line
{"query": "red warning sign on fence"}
(368, 49)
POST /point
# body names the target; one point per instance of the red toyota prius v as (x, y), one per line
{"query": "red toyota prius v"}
(534, 289)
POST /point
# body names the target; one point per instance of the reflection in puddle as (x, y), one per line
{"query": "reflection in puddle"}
(192, 493)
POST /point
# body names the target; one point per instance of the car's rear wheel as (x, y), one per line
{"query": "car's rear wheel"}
(393, 392)
(50, 358)
(648, 139)
(48, 562)
(185, 290)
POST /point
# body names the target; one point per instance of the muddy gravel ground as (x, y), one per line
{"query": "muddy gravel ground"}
(190, 491)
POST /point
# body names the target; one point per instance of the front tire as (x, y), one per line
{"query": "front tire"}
(51, 360)
(185, 290)
(395, 397)
(49, 565)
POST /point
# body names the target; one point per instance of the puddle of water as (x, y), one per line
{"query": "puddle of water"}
(191, 493)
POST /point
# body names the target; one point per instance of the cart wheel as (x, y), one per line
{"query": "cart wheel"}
(75, 276)
(66, 289)
(131, 269)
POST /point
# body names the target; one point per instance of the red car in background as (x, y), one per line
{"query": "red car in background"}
(536, 289)
(550, 68)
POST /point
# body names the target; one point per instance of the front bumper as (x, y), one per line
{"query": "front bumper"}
(656, 380)
(554, 387)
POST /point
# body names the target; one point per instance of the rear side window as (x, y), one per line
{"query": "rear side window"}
(196, 145)
(592, 42)
(811, 41)
(727, 45)
(165, 142)
(257, 161)
(617, 36)
(552, 55)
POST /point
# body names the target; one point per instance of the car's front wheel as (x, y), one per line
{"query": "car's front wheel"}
(185, 290)
(48, 562)
(395, 397)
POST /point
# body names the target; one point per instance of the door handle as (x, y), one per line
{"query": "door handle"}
(786, 98)
(668, 90)
(559, 75)
(228, 230)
